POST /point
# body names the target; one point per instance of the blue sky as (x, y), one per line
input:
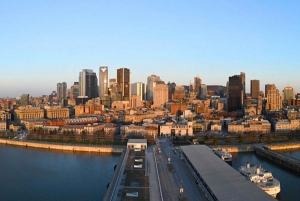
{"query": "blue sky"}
(46, 42)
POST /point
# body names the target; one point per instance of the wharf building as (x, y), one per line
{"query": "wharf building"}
(123, 80)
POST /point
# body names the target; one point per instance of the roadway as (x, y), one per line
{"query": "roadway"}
(180, 178)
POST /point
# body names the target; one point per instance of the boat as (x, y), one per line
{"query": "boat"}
(262, 178)
(224, 155)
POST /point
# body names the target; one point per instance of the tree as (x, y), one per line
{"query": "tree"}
(228, 141)
(55, 131)
(185, 137)
(216, 141)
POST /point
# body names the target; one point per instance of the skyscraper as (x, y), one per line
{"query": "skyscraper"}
(254, 89)
(235, 93)
(274, 100)
(61, 91)
(197, 86)
(267, 88)
(288, 94)
(88, 84)
(160, 94)
(139, 89)
(74, 90)
(150, 84)
(103, 81)
(123, 80)
(25, 100)
(243, 87)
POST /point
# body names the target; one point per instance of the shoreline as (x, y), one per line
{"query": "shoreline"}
(64, 147)
(251, 147)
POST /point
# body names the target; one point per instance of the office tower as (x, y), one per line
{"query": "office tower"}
(123, 80)
(74, 91)
(103, 81)
(254, 88)
(25, 100)
(61, 91)
(197, 86)
(150, 84)
(267, 88)
(203, 91)
(112, 81)
(235, 93)
(243, 87)
(139, 89)
(171, 89)
(288, 94)
(88, 84)
(160, 94)
(274, 100)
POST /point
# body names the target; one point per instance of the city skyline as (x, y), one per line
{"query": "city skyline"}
(46, 43)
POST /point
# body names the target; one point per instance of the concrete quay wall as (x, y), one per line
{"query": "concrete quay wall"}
(64, 147)
(278, 158)
(285, 146)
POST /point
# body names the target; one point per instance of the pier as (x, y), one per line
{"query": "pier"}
(286, 161)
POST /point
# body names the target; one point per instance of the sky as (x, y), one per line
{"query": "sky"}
(46, 42)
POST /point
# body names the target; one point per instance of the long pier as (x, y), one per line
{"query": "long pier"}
(278, 158)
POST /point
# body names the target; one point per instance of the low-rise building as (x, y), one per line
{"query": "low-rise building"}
(216, 127)
(30, 124)
(28, 113)
(75, 129)
(181, 128)
(282, 126)
(3, 125)
(93, 128)
(57, 112)
(111, 129)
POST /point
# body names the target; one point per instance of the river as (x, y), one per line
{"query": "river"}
(39, 174)
(289, 180)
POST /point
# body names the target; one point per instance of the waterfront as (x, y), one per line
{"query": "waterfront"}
(39, 174)
(290, 181)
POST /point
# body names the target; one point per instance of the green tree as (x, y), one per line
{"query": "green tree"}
(228, 141)
(216, 141)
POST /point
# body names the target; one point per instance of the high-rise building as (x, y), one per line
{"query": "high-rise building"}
(197, 86)
(103, 81)
(25, 100)
(267, 88)
(88, 83)
(61, 91)
(274, 100)
(160, 94)
(171, 89)
(139, 89)
(123, 80)
(243, 87)
(179, 93)
(203, 91)
(150, 84)
(235, 93)
(74, 91)
(254, 88)
(288, 94)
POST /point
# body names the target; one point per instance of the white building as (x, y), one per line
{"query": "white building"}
(177, 129)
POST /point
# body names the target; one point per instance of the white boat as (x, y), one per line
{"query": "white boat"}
(223, 154)
(262, 178)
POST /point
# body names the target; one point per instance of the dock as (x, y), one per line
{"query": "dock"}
(217, 179)
(286, 161)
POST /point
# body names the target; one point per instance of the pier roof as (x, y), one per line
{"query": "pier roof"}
(223, 181)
